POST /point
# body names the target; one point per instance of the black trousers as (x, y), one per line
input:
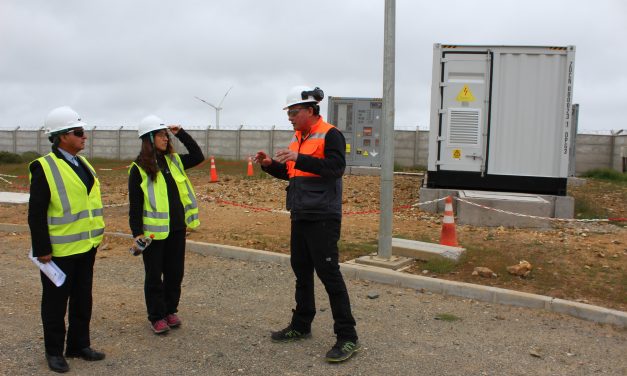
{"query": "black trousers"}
(314, 247)
(76, 289)
(164, 264)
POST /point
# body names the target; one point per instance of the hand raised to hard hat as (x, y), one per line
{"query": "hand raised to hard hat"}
(285, 155)
(175, 128)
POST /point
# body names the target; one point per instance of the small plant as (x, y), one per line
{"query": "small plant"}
(447, 317)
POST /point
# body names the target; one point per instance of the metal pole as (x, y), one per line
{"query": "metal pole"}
(217, 118)
(387, 160)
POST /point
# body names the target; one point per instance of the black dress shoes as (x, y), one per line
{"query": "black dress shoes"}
(86, 354)
(57, 363)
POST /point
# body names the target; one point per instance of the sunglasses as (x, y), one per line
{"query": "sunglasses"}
(294, 111)
(77, 132)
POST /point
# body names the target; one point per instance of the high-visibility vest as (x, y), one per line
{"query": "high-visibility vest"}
(75, 217)
(312, 145)
(309, 193)
(156, 215)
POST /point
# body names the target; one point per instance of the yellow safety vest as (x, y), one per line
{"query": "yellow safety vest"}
(156, 216)
(75, 218)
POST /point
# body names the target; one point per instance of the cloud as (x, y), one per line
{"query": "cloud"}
(117, 61)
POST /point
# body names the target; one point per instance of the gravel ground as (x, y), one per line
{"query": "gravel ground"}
(229, 307)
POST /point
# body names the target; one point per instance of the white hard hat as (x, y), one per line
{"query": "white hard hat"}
(61, 119)
(303, 94)
(149, 124)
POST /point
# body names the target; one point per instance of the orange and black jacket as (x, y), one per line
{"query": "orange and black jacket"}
(315, 178)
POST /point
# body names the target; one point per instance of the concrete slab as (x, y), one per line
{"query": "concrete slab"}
(14, 198)
(537, 205)
(519, 203)
(430, 194)
(564, 207)
(425, 251)
(394, 262)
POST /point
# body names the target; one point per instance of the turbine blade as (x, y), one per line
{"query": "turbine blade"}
(223, 98)
(204, 101)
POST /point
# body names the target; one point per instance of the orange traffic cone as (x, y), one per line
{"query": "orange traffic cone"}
(214, 172)
(250, 167)
(448, 235)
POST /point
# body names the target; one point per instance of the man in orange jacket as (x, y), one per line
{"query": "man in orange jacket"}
(314, 164)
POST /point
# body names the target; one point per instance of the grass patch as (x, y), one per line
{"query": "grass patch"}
(439, 265)
(447, 317)
(349, 251)
(9, 158)
(587, 208)
(399, 168)
(606, 174)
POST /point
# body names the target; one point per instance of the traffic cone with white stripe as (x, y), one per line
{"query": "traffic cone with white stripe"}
(448, 235)
(214, 172)
(250, 167)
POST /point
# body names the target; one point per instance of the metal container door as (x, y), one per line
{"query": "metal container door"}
(463, 115)
(367, 133)
(341, 115)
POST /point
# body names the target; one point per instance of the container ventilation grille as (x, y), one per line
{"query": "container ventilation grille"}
(464, 126)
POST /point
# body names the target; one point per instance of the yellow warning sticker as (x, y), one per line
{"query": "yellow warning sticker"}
(465, 95)
(348, 148)
(366, 153)
(457, 154)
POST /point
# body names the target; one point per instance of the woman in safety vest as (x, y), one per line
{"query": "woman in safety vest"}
(162, 205)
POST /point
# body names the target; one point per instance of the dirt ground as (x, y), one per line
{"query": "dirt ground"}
(581, 261)
(229, 307)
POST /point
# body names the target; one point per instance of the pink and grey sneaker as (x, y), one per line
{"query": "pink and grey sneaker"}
(160, 326)
(173, 320)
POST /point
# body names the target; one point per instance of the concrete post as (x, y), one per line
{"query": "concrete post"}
(91, 142)
(387, 160)
(238, 142)
(120, 143)
(271, 151)
(207, 141)
(15, 139)
(613, 137)
(39, 140)
(416, 145)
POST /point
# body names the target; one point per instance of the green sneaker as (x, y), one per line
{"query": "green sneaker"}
(341, 351)
(288, 335)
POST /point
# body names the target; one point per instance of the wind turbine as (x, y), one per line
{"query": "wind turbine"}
(218, 108)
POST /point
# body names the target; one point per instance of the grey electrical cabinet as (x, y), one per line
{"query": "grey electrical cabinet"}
(359, 119)
(501, 118)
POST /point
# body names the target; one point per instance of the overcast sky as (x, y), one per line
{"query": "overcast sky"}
(116, 61)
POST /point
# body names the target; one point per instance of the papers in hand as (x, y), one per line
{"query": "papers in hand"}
(50, 269)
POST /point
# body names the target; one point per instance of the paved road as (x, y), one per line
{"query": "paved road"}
(229, 308)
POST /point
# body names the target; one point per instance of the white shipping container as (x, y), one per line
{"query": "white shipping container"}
(501, 118)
